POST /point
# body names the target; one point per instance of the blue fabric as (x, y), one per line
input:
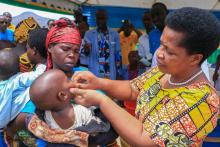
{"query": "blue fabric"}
(7, 35)
(125, 72)
(41, 143)
(114, 47)
(29, 107)
(14, 94)
(2, 142)
(79, 68)
(154, 40)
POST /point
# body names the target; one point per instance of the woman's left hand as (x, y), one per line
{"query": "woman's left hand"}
(87, 97)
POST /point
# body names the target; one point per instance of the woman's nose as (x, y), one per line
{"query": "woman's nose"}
(160, 53)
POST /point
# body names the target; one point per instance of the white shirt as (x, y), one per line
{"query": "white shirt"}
(144, 47)
(83, 116)
(83, 58)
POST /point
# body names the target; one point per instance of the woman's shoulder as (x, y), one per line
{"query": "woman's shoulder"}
(201, 92)
(152, 75)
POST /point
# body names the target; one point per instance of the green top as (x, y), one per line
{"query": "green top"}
(213, 58)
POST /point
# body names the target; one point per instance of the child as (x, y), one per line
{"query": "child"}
(14, 95)
(133, 67)
(54, 98)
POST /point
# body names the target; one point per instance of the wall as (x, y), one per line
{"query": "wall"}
(117, 14)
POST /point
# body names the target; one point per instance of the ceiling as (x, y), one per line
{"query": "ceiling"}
(171, 4)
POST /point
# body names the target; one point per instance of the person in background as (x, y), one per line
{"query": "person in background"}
(103, 44)
(9, 18)
(78, 17)
(176, 104)
(138, 32)
(133, 72)
(128, 41)
(158, 14)
(21, 34)
(5, 33)
(84, 52)
(36, 50)
(143, 44)
(50, 23)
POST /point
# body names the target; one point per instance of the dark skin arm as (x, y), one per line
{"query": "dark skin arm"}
(133, 132)
(118, 89)
(16, 125)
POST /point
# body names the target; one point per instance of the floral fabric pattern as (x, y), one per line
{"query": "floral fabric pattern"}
(182, 116)
(41, 130)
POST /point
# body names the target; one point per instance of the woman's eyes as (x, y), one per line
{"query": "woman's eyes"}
(66, 49)
(69, 50)
(168, 51)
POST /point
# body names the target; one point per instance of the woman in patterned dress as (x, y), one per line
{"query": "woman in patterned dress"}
(176, 104)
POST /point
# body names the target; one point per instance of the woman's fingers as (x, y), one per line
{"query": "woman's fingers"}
(77, 91)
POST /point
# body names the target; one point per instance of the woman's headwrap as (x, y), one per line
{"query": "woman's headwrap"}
(63, 31)
(22, 30)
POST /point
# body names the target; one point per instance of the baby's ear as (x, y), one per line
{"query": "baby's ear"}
(63, 96)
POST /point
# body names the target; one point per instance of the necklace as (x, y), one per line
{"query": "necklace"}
(185, 82)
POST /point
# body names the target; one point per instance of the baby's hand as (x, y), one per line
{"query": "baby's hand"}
(87, 97)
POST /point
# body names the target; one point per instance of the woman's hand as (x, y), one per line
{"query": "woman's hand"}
(85, 80)
(87, 97)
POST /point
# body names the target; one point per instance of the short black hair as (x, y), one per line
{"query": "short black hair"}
(37, 39)
(50, 20)
(101, 12)
(201, 30)
(158, 6)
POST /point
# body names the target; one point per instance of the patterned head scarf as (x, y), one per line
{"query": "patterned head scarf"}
(63, 31)
(23, 28)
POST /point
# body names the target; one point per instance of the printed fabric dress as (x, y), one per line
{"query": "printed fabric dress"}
(177, 117)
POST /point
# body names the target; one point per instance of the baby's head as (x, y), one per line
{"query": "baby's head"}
(9, 64)
(50, 91)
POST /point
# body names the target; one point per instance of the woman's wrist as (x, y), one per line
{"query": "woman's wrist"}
(103, 100)
(100, 83)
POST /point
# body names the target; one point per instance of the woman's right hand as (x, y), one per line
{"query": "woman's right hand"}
(87, 97)
(86, 80)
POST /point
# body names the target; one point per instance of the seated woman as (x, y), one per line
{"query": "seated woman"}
(176, 104)
(63, 43)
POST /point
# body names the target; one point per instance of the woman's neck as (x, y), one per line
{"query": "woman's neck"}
(184, 76)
